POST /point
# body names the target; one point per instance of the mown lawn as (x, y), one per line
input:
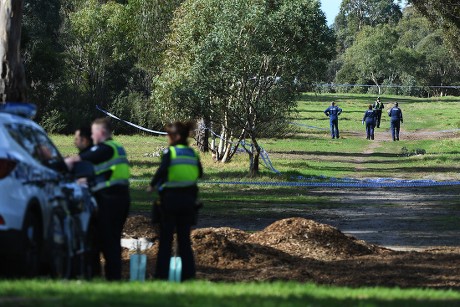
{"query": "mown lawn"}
(201, 293)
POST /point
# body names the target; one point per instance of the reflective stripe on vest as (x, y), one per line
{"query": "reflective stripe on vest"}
(118, 165)
(183, 170)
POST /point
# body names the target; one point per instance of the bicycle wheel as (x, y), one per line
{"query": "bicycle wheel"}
(60, 263)
(83, 261)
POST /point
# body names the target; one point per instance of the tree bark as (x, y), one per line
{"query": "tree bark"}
(12, 75)
(254, 157)
(202, 135)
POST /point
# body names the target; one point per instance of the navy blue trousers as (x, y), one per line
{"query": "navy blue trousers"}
(113, 207)
(178, 215)
(370, 130)
(395, 126)
(334, 128)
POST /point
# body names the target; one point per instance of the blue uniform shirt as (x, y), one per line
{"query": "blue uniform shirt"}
(369, 116)
(333, 112)
(396, 114)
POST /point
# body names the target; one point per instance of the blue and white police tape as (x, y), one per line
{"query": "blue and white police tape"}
(129, 123)
(354, 183)
(264, 154)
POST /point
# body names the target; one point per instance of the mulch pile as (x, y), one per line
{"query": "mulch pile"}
(306, 251)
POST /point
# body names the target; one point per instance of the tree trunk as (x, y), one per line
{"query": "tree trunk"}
(254, 162)
(202, 136)
(12, 80)
(254, 157)
(376, 83)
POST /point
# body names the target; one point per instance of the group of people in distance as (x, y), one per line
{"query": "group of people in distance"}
(371, 119)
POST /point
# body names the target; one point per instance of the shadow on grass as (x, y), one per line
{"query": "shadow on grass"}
(342, 154)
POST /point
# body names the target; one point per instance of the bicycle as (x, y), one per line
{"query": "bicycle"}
(71, 231)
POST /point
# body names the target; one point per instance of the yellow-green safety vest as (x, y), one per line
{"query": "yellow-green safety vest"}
(183, 170)
(119, 166)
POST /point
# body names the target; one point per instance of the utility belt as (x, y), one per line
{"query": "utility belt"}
(158, 214)
(101, 182)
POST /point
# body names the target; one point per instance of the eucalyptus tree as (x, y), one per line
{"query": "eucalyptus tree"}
(444, 14)
(237, 63)
(12, 75)
(428, 60)
(42, 53)
(354, 15)
(371, 57)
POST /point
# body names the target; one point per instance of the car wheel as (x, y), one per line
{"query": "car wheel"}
(29, 260)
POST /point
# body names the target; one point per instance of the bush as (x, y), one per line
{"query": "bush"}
(53, 122)
(132, 107)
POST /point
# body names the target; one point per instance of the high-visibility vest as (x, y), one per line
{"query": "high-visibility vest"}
(183, 170)
(119, 166)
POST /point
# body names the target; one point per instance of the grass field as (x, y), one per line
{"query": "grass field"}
(305, 152)
(200, 293)
(309, 152)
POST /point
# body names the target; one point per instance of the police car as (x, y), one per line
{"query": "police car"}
(31, 170)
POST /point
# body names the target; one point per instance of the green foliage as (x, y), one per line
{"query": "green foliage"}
(235, 62)
(53, 122)
(354, 15)
(41, 52)
(410, 54)
(371, 56)
(444, 15)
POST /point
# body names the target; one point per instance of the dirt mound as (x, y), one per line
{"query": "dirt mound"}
(224, 254)
(302, 250)
(140, 226)
(214, 247)
(308, 239)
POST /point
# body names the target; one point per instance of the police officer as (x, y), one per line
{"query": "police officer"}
(369, 119)
(396, 119)
(82, 138)
(111, 190)
(378, 107)
(333, 113)
(176, 179)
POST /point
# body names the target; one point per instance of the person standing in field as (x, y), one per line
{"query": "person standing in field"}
(176, 180)
(369, 120)
(111, 191)
(333, 113)
(378, 107)
(396, 116)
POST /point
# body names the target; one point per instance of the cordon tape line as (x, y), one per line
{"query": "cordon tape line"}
(356, 184)
(129, 123)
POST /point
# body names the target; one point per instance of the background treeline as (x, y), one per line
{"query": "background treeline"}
(139, 58)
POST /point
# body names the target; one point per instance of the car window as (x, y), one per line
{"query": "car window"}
(45, 148)
(35, 142)
(23, 137)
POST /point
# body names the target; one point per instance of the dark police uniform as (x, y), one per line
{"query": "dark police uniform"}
(378, 107)
(395, 122)
(111, 190)
(369, 119)
(176, 177)
(333, 113)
